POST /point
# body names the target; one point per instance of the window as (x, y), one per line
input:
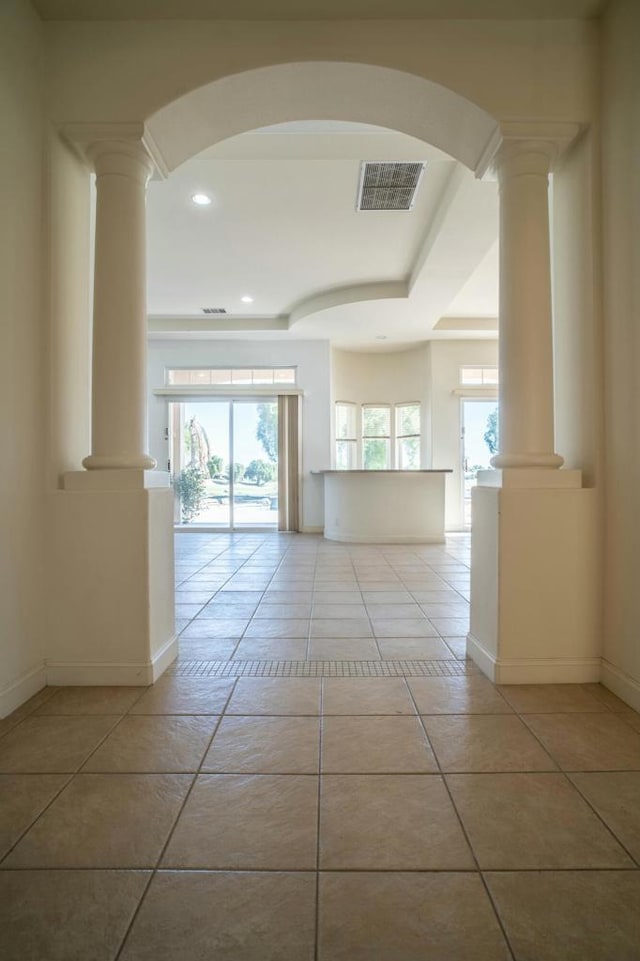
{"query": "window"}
(226, 377)
(479, 376)
(346, 437)
(407, 436)
(376, 437)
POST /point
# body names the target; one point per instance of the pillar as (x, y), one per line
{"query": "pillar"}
(118, 414)
(534, 541)
(111, 608)
(526, 344)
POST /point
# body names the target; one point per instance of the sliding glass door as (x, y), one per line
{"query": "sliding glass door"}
(224, 463)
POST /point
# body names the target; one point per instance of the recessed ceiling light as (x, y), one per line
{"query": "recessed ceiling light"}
(201, 200)
(246, 299)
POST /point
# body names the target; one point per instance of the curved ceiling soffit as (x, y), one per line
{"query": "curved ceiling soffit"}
(339, 296)
(322, 90)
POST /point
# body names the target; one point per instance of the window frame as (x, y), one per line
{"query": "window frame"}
(398, 437)
(351, 441)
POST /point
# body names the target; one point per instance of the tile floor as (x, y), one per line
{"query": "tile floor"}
(320, 777)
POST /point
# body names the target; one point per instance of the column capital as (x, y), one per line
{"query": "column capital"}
(125, 148)
(545, 139)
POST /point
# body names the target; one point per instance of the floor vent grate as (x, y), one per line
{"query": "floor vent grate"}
(449, 668)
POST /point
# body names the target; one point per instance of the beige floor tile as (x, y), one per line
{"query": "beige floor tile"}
(229, 917)
(66, 915)
(271, 649)
(606, 697)
(588, 742)
(375, 745)
(457, 646)
(632, 718)
(185, 695)
(278, 627)
(414, 648)
(104, 821)
(380, 611)
(265, 745)
(274, 611)
(403, 627)
(343, 649)
(336, 627)
(386, 597)
(616, 798)
(255, 822)
(52, 745)
(364, 695)
(339, 610)
(523, 821)
(209, 627)
(275, 695)
(389, 823)
(154, 744)
(407, 917)
(470, 694)
(484, 742)
(22, 798)
(551, 699)
(570, 915)
(206, 649)
(91, 700)
(450, 626)
(322, 596)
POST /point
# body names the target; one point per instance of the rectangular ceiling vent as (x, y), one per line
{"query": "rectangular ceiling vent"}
(214, 310)
(389, 186)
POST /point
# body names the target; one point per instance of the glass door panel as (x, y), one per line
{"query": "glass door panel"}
(255, 458)
(479, 444)
(200, 462)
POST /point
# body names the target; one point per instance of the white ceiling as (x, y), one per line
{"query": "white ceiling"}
(283, 228)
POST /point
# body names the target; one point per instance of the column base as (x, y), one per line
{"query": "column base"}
(535, 608)
(119, 462)
(111, 615)
(534, 461)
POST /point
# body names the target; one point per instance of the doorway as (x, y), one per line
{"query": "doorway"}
(479, 442)
(224, 463)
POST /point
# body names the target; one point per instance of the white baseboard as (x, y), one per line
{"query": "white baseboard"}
(20, 690)
(163, 658)
(90, 674)
(534, 670)
(624, 685)
(312, 530)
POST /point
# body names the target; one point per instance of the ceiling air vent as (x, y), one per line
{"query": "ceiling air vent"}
(389, 186)
(214, 310)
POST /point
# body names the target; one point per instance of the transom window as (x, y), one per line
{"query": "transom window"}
(231, 377)
(479, 376)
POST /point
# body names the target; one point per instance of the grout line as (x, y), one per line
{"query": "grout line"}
(155, 869)
(462, 826)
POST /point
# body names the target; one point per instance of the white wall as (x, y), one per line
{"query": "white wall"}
(69, 349)
(393, 377)
(22, 420)
(621, 263)
(447, 357)
(312, 361)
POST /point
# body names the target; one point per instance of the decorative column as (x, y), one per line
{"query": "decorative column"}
(534, 536)
(111, 616)
(526, 335)
(118, 436)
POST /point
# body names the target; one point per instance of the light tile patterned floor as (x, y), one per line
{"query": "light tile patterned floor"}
(320, 779)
